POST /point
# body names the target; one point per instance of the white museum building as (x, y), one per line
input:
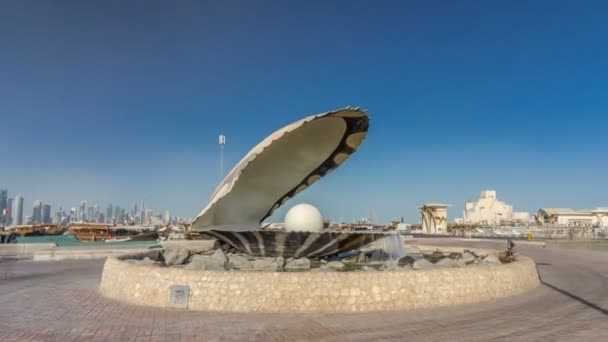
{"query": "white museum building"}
(492, 211)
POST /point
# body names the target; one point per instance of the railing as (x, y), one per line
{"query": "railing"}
(537, 232)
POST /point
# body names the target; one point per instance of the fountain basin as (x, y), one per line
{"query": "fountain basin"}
(283, 292)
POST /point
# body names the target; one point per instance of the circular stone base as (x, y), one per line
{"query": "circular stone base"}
(246, 291)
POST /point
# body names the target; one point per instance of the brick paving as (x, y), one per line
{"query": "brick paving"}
(58, 301)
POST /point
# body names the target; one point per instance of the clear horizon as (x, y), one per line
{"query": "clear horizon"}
(119, 102)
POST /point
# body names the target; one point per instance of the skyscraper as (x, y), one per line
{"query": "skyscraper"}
(3, 204)
(119, 215)
(18, 210)
(82, 212)
(37, 212)
(91, 213)
(97, 214)
(73, 215)
(109, 213)
(46, 213)
(142, 215)
(147, 214)
(9, 218)
(58, 217)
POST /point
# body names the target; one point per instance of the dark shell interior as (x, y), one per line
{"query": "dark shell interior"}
(275, 243)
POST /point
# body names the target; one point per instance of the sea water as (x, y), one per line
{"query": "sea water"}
(70, 240)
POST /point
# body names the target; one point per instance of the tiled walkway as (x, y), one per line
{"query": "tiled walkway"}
(58, 301)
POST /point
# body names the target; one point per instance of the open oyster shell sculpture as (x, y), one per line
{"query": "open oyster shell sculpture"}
(281, 166)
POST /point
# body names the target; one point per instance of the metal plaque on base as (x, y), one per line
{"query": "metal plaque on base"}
(178, 296)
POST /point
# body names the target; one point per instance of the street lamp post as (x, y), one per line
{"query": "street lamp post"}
(222, 142)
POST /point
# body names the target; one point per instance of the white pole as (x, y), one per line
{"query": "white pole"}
(222, 142)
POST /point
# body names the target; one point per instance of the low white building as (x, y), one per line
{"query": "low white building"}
(490, 210)
(601, 215)
(573, 218)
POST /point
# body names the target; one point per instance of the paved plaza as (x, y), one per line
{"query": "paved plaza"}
(58, 301)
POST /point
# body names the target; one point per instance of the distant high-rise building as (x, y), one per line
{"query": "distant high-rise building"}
(118, 215)
(62, 218)
(58, 217)
(99, 217)
(8, 220)
(37, 212)
(147, 214)
(142, 215)
(3, 198)
(83, 212)
(3, 205)
(46, 213)
(91, 214)
(109, 213)
(74, 215)
(17, 214)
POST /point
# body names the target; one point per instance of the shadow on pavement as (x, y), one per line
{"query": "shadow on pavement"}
(573, 296)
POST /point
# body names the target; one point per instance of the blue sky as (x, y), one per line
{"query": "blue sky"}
(119, 101)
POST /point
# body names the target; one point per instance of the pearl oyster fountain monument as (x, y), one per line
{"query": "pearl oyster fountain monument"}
(277, 169)
(236, 266)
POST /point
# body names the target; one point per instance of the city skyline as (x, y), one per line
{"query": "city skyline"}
(103, 105)
(90, 211)
(41, 212)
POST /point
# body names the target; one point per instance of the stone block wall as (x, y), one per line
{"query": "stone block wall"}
(246, 291)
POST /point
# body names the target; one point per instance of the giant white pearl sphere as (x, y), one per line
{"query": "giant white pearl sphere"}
(304, 217)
